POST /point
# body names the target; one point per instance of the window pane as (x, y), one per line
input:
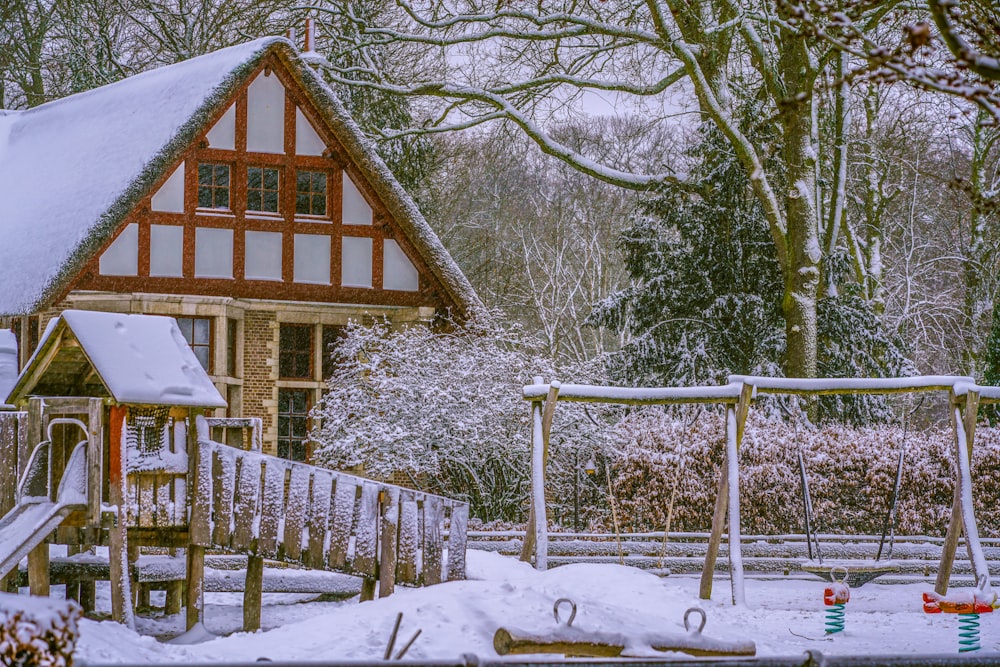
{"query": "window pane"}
(295, 351)
(253, 177)
(271, 179)
(202, 354)
(331, 338)
(186, 325)
(204, 197)
(283, 422)
(201, 331)
(222, 174)
(302, 204)
(270, 202)
(254, 200)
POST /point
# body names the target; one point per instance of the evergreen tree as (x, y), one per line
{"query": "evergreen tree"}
(705, 296)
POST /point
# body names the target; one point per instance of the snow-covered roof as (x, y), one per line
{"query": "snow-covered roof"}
(139, 359)
(73, 169)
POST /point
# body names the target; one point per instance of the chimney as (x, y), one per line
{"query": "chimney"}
(290, 35)
(310, 36)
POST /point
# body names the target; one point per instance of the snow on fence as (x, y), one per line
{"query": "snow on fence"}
(259, 505)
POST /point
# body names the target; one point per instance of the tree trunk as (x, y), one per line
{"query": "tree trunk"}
(802, 271)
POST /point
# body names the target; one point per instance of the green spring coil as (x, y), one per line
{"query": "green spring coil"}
(968, 632)
(835, 619)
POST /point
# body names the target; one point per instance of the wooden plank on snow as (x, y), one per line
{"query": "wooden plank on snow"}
(272, 506)
(366, 531)
(457, 536)
(297, 510)
(224, 472)
(201, 498)
(433, 540)
(319, 518)
(246, 504)
(390, 542)
(341, 521)
(409, 541)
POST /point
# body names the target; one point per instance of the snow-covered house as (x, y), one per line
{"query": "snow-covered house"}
(233, 192)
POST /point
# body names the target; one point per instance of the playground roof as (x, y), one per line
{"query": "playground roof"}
(133, 359)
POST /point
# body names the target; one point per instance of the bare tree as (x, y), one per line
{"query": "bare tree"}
(518, 62)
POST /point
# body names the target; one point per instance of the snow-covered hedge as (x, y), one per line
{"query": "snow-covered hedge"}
(39, 632)
(443, 408)
(851, 475)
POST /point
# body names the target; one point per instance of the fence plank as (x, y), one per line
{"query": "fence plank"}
(341, 520)
(457, 536)
(297, 510)
(433, 540)
(224, 470)
(366, 531)
(164, 498)
(390, 543)
(409, 541)
(272, 506)
(247, 502)
(201, 503)
(319, 517)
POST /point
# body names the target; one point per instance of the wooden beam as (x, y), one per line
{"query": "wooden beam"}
(95, 461)
(252, 593)
(195, 584)
(389, 541)
(121, 593)
(548, 412)
(38, 570)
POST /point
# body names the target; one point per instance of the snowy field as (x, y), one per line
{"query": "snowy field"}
(461, 617)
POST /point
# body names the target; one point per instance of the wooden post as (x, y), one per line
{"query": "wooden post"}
(538, 490)
(173, 598)
(121, 593)
(35, 432)
(252, 592)
(548, 412)
(38, 570)
(199, 499)
(389, 543)
(195, 583)
(722, 498)
(367, 589)
(95, 462)
(715, 539)
(965, 427)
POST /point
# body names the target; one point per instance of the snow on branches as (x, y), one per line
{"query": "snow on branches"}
(38, 632)
(441, 406)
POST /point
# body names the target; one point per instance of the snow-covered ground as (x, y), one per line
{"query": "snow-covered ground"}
(462, 617)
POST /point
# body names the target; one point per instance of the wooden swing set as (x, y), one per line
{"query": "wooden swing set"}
(964, 395)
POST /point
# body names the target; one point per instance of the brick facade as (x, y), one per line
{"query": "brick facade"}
(260, 372)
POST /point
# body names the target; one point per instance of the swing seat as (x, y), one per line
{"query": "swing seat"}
(859, 573)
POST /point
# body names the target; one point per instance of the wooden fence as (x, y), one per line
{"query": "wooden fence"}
(260, 505)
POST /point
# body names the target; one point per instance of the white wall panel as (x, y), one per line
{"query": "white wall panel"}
(122, 256)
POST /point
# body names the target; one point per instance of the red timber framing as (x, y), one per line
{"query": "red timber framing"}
(333, 162)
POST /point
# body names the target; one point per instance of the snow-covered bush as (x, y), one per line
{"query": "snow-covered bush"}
(851, 475)
(37, 632)
(443, 407)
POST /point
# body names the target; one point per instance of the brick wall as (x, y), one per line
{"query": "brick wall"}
(260, 372)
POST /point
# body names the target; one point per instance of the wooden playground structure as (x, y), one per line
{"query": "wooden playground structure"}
(114, 449)
(737, 396)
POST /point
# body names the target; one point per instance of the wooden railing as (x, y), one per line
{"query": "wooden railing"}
(260, 505)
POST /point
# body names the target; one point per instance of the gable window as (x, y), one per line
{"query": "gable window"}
(197, 331)
(295, 351)
(293, 423)
(262, 189)
(213, 186)
(310, 193)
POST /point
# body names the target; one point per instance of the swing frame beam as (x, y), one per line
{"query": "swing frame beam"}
(965, 397)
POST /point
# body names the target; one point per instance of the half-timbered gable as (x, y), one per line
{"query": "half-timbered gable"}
(234, 193)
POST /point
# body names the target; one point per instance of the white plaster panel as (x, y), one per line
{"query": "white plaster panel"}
(213, 253)
(356, 262)
(356, 210)
(266, 115)
(307, 140)
(166, 251)
(263, 256)
(122, 256)
(312, 259)
(170, 197)
(223, 133)
(398, 271)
